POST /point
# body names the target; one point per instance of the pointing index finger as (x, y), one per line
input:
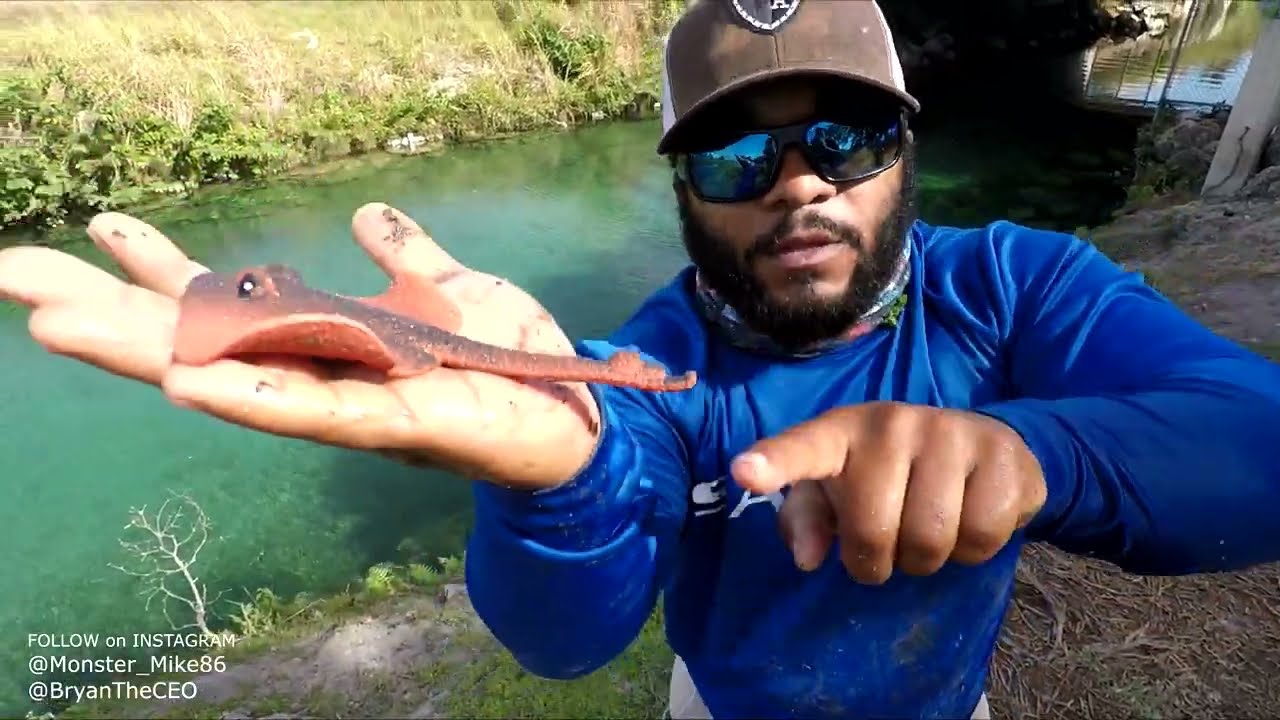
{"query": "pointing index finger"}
(813, 450)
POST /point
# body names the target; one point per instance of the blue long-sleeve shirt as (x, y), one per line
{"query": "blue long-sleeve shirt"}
(1156, 438)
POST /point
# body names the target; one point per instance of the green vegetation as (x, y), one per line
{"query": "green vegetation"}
(399, 639)
(113, 105)
(459, 668)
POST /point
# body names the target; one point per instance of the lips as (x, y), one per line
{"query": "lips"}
(801, 241)
(804, 250)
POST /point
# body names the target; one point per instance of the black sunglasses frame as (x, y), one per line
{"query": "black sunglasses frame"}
(785, 136)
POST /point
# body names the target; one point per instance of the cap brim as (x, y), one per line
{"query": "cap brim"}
(680, 127)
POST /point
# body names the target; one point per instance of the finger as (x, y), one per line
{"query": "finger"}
(435, 413)
(398, 245)
(150, 259)
(813, 450)
(992, 505)
(807, 523)
(37, 276)
(133, 340)
(934, 500)
(291, 402)
(1034, 490)
(868, 500)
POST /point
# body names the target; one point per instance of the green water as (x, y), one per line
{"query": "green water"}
(584, 221)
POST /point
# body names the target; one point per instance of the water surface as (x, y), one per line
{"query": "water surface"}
(582, 220)
(1200, 60)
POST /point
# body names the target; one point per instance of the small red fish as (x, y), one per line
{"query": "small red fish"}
(406, 331)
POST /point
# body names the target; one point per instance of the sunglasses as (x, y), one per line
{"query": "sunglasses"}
(746, 168)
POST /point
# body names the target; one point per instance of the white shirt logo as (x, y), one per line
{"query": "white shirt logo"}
(707, 498)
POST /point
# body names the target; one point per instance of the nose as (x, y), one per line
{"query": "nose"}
(798, 185)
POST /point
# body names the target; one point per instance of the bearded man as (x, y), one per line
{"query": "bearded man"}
(886, 411)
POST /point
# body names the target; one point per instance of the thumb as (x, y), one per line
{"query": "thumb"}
(399, 245)
(813, 450)
(807, 523)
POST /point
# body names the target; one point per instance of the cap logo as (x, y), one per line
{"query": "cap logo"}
(766, 15)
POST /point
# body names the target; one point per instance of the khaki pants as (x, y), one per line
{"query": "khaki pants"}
(686, 704)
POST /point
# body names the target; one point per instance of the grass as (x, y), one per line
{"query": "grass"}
(449, 663)
(113, 104)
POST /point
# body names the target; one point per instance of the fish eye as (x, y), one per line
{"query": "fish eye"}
(248, 286)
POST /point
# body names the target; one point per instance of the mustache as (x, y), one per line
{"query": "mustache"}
(768, 242)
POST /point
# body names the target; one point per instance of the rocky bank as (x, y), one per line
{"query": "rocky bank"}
(1219, 258)
(935, 33)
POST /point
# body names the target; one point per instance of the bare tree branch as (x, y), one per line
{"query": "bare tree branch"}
(163, 558)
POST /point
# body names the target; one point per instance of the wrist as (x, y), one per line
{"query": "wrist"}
(588, 508)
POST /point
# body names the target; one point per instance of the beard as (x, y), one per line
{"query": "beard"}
(792, 324)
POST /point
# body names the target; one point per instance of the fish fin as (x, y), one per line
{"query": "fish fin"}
(314, 336)
(417, 297)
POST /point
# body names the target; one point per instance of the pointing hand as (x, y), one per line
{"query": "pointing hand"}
(902, 486)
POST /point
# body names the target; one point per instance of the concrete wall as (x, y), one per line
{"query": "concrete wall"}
(1253, 116)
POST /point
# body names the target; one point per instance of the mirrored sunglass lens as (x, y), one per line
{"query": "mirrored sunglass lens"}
(844, 151)
(741, 169)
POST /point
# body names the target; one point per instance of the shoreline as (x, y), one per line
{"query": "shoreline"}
(117, 108)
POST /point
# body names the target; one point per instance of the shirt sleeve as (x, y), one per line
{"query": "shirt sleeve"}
(1155, 434)
(565, 578)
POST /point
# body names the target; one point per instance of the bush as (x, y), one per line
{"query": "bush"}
(117, 104)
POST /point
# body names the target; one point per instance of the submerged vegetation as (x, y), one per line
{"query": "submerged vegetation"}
(110, 105)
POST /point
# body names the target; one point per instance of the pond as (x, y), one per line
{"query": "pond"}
(583, 220)
(1199, 60)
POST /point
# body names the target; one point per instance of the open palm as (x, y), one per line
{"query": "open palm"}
(525, 434)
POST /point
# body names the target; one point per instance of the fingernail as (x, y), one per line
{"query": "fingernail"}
(803, 549)
(752, 467)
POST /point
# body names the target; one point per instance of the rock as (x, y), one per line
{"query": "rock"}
(939, 46)
(1127, 24)
(910, 55)
(1190, 162)
(1265, 184)
(454, 597)
(1195, 133)
(1271, 153)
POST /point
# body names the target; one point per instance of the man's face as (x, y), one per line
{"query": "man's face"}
(803, 262)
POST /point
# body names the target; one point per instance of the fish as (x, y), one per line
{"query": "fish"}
(407, 331)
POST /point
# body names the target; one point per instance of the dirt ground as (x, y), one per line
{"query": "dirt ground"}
(1086, 641)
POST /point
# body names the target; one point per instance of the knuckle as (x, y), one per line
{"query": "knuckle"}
(899, 420)
(922, 550)
(869, 540)
(980, 540)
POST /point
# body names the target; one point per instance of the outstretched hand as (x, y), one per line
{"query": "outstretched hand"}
(522, 434)
(903, 487)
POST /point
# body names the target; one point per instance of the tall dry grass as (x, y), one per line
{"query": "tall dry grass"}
(271, 85)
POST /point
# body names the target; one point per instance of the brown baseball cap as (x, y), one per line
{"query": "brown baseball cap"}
(721, 46)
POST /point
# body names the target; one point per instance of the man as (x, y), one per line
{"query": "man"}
(886, 410)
